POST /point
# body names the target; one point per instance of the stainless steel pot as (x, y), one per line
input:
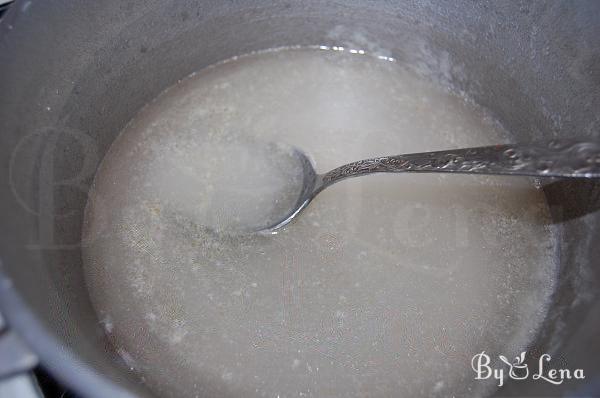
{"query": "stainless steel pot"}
(73, 73)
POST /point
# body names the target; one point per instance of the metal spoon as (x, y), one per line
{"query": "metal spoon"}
(556, 158)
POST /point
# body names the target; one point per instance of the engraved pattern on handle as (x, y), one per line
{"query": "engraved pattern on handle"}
(557, 158)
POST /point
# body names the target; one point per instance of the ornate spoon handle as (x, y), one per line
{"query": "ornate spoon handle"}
(557, 158)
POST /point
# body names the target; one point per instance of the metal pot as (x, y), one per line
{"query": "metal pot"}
(73, 73)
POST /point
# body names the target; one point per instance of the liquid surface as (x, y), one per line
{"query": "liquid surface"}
(386, 285)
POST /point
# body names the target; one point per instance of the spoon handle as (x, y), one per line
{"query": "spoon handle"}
(556, 158)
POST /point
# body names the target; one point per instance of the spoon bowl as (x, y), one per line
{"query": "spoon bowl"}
(311, 186)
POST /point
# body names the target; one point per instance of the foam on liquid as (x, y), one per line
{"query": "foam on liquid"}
(386, 285)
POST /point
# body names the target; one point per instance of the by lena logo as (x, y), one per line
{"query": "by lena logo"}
(519, 370)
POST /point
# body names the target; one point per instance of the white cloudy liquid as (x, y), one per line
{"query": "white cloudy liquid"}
(386, 285)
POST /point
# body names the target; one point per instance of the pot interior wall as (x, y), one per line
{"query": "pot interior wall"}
(74, 74)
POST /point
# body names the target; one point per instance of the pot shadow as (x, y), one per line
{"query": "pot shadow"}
(572, 198)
